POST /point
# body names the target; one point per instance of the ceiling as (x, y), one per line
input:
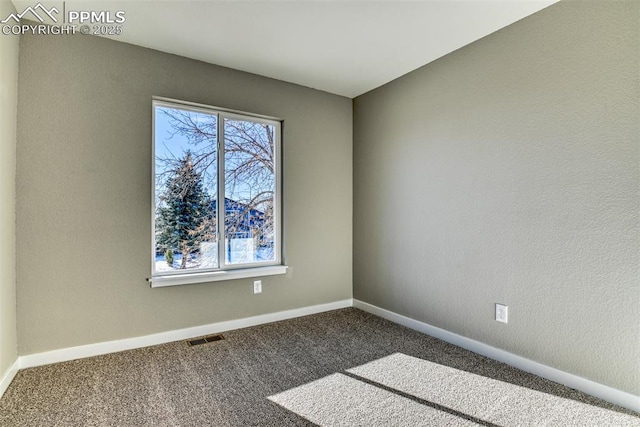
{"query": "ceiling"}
(343, 47)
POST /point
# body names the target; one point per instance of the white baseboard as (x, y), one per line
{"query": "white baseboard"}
(610, 394)
(97, 349)
(6, 379)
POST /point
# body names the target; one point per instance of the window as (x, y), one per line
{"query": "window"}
(216, 191)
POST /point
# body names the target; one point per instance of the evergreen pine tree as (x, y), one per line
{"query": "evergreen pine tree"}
(185, 217)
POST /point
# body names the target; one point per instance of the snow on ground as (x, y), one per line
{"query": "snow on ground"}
(241, 255)
(192, 262)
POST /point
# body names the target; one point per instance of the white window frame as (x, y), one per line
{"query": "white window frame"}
(224, 271)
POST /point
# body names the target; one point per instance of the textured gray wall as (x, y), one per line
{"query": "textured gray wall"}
(83, 183)
(508, 171)
(8, 110)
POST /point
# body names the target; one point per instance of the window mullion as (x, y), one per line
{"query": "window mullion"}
(221, 205)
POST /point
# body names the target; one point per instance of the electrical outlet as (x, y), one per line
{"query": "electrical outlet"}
(257, 287)
(502, 313)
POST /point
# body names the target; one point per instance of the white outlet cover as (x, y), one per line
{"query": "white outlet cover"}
(502, 313)
(257, 286)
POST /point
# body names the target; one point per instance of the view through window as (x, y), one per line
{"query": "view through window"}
(216, 195)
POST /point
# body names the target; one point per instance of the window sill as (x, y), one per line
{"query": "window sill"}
(214, 276)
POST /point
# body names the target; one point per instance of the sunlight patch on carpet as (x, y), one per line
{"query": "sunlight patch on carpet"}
(401, 390)
(339, 400)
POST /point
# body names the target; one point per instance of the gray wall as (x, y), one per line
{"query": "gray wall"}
(84, 204)
(8, 110)
(508, 171)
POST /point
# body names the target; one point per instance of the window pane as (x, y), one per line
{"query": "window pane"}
(250, 184)
(185, 189)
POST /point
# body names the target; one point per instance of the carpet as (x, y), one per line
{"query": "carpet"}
(342, 368)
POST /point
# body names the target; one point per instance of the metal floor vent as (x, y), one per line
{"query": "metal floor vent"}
(204, 340)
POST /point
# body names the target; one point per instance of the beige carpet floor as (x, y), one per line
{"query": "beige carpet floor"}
(340, 368)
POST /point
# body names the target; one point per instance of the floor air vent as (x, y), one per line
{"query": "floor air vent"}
(204, 340)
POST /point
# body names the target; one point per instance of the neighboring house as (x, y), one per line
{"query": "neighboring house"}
(241, 221)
